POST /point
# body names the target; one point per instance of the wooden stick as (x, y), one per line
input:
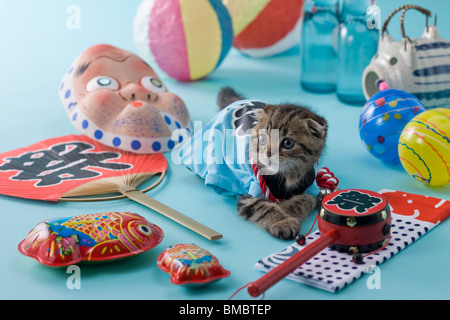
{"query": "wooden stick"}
(142, 198)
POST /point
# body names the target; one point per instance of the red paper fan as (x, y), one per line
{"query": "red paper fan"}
(49, 170)
(65, 168)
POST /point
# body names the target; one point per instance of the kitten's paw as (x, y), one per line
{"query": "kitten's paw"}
(286, 229)
(246, 206)
(268, 216)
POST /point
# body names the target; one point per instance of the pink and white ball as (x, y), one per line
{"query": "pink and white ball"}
(264, 28)
(186, 39)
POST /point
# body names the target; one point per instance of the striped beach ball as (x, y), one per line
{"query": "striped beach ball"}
(187, 39)
(264, 28)
(424, 147)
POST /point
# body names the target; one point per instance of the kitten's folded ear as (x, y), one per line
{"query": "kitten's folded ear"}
(227, 96)
(317, 128)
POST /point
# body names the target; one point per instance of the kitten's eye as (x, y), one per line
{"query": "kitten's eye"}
(287, 143)
(152, 84)
(102, 82)
(262, 139)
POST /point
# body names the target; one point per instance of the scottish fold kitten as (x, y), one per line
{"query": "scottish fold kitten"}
(287, 167)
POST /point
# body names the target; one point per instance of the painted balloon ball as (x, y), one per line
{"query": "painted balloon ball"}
(191, 43)
(424, 147)
(266, 27)
(382, 120)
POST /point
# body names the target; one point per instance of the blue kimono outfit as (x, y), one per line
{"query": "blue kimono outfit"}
(219, 152)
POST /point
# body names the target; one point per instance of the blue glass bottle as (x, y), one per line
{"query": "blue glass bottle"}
(358, 43)
(318, 44)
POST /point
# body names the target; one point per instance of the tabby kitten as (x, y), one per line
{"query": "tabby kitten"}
(301, 138)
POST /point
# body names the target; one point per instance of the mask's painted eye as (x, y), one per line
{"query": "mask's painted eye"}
(144, 229)
(102, 82)
(287, 143)
(152, 84)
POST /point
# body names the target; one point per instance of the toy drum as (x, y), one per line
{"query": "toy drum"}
(352, 220)
(361, 218)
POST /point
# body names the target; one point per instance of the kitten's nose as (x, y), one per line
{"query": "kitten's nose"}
(269, 153)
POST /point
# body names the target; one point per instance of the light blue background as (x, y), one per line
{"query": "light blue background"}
(36, 48)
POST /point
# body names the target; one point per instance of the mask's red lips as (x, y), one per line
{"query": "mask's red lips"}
(136, 104)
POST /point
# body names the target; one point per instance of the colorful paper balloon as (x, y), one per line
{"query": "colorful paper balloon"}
(424, 147)
(186, 39)
(383, 118)
(264, 28)
(90, 237)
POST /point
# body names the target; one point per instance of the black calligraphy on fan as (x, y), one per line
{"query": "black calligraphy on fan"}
(66, 161)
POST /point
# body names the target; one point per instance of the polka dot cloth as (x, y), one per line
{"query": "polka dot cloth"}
(331, 271)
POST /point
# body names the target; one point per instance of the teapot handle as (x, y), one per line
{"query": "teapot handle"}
(405, 7)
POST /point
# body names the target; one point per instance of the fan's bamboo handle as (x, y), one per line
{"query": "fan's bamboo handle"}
(176, 216)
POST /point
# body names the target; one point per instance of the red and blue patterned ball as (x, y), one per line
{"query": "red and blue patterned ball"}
(382, 120)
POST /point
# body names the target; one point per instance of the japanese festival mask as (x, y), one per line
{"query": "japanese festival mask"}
(113, 96)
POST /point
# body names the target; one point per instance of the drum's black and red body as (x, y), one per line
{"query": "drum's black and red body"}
(354, 221)
(361, 217)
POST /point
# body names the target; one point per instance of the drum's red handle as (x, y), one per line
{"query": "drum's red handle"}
(282, 270)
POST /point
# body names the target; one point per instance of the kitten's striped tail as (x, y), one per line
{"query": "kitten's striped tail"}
(227, 96)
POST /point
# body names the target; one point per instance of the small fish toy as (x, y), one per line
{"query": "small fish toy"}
(190, 264)
(90, 237)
